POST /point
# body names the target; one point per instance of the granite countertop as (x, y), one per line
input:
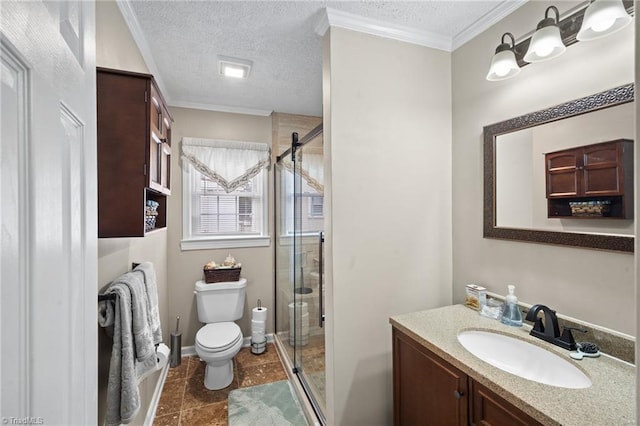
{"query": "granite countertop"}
(609, 400)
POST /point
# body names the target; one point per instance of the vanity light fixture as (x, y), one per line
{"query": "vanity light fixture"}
(504, 64)
(588, 21)
(546, 43)
(603, 17)
(234, 67)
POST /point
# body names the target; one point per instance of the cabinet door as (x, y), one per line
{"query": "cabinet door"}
(159, 144)
(602, 170)
(489, 409)
(563, 173)
(122, 157)
(427, 389)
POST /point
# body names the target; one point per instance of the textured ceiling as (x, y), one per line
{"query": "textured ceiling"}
(184, 39)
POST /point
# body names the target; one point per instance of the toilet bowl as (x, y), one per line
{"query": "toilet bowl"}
(217, 344)
(220, 339)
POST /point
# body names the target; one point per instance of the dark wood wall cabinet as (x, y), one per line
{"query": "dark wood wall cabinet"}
(427, 390)
(134, 154)
(591, 181)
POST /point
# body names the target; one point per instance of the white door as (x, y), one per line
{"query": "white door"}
(48, 267)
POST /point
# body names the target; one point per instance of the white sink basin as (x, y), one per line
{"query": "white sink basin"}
(523, 359)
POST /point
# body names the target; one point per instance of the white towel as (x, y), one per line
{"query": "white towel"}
(133, 352)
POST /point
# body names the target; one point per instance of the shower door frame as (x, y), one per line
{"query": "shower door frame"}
(296, 361)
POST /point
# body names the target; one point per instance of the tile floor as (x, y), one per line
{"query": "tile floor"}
(312, 360)
(185, 400)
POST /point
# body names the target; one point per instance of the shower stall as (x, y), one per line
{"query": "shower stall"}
(299, 274)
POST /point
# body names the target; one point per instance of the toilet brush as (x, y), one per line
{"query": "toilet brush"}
(176, 345)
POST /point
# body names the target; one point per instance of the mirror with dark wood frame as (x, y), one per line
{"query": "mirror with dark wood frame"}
(609, 98)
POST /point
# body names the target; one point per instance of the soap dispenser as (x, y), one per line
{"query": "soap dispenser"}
(511, 314)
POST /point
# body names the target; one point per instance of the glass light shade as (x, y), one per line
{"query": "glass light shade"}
(545, 44)
(503, 66)
(603, 17)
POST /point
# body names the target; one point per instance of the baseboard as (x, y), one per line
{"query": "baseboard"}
(151, 411)
(246, 342)
(188, 350)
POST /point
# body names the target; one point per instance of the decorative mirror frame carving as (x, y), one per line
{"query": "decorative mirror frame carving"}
(608, 98)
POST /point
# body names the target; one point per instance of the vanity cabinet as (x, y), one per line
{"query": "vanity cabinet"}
(427, 390)
(134, 153)
(596, 179)
(486, 408)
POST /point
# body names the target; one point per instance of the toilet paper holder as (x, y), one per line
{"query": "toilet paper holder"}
(258, 348)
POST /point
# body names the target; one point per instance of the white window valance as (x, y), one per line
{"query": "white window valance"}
(230, 164)
(311, 171)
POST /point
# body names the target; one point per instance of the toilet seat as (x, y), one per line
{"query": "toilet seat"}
(218, 337)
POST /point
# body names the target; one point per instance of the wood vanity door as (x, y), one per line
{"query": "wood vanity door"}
(489, 409)
(563, 173)
(603, 170)
(426, 389)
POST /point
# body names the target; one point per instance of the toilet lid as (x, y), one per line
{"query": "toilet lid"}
(218, 336)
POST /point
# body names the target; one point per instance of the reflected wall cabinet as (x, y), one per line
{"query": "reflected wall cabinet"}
(134, 154)
(591, 181)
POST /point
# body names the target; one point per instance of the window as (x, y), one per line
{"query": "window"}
(311, 207)
(219, 213)
(316, 206)
(215, 218)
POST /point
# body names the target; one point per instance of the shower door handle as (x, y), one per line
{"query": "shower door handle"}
(320, 268)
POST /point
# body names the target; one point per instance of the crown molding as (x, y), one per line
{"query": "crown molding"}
(221, 108)
(335, 18)
(141, 41)
(494, 16)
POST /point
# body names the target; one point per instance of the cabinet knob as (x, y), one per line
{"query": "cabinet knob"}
(458, 394)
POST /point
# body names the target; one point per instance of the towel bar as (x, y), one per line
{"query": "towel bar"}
(102, 297)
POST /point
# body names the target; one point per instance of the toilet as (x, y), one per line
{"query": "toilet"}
(219, 305)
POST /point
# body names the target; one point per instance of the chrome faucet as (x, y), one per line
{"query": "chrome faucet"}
(550, 330)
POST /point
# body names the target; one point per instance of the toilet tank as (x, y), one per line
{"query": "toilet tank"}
(220, 302)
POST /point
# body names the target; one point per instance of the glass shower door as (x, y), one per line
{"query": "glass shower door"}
(308, 242)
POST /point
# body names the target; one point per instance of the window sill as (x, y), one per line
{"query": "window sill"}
(224, 243)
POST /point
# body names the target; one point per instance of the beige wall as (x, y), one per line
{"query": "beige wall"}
(115, 48)
(387, 139)
(185, 267)
(591, 285)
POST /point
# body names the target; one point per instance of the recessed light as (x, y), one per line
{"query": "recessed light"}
(234, 67)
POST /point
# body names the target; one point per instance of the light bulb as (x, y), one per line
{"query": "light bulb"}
(544, 49)
(501, 70)
(603, 25)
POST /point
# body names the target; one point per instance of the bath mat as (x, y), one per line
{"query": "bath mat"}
(271, 404)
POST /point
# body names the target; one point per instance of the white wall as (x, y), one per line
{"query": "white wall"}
(388, 193)
(591, 285)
